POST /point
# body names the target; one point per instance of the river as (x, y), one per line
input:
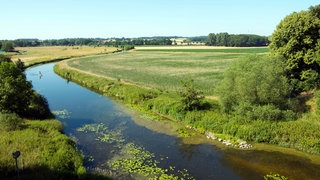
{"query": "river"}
(103, 128)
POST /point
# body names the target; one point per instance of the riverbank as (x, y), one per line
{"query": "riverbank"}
(45, 152)
(301, 134)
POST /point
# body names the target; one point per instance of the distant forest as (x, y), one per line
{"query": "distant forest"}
(219, 39)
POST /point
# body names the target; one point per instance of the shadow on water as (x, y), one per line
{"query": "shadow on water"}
(43, 172)
(264, 162)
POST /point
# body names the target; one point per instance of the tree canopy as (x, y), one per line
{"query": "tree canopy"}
(297, 39)
(256, 87)
(236, 40)
(16, 94)
(15, 91)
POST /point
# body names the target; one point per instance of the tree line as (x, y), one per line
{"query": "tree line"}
(236, 40)
(219, 39)
(115, 42)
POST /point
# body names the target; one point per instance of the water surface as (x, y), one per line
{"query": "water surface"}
(203, 159)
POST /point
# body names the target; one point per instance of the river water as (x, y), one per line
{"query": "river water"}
(196, 156)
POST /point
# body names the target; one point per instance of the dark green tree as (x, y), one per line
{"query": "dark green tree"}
(20, 64)
(211, 41)
(15, 91)
(297, 39)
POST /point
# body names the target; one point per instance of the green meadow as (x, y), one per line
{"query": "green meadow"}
(150, 80)
(165, 69)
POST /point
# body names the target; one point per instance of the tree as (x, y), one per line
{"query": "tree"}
(7, 46)
(15, 91)
(20, 64)
(297, 39)
(191, 98)
(211, 41)
(255, 87)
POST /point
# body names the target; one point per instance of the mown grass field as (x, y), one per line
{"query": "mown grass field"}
(165, 68)
(31, 55)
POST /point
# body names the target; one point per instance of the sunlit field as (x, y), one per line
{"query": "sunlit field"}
(166, 68)
(31, 55)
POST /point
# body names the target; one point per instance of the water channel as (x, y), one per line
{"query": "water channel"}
(196, 156)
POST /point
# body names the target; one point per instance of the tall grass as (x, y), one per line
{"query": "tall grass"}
(45, 152)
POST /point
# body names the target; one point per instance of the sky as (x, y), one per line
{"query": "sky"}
(57, 19)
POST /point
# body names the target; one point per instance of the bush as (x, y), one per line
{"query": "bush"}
(255, 87)
(10, 122)
(191, 98)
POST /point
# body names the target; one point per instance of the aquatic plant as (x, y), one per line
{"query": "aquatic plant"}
(62, 114)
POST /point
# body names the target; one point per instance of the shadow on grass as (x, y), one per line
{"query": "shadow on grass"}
(42, 172)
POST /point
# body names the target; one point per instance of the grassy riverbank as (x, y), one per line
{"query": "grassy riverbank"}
(46, 153)
(302, 134)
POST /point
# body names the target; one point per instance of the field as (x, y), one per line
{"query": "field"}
(165, 68)
(31, 55)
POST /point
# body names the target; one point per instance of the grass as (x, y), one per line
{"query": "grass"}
(45, 152)
(34, 55)
(165, 69)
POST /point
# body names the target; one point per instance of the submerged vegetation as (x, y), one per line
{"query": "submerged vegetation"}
(130, 160)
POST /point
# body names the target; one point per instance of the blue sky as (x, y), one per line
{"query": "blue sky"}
(55, 19)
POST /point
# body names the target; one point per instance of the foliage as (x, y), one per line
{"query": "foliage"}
(46, 153)
(17, 96)
(191, 98)
(297, 39)
(20, 64)
(7, 46)
(38, 108)
(10, 122)
(127, 47)
(255, 85)
(15, 91)
(4, 58)
(236, 40)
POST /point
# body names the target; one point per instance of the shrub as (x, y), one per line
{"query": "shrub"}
(10, 122)
(191, 98)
